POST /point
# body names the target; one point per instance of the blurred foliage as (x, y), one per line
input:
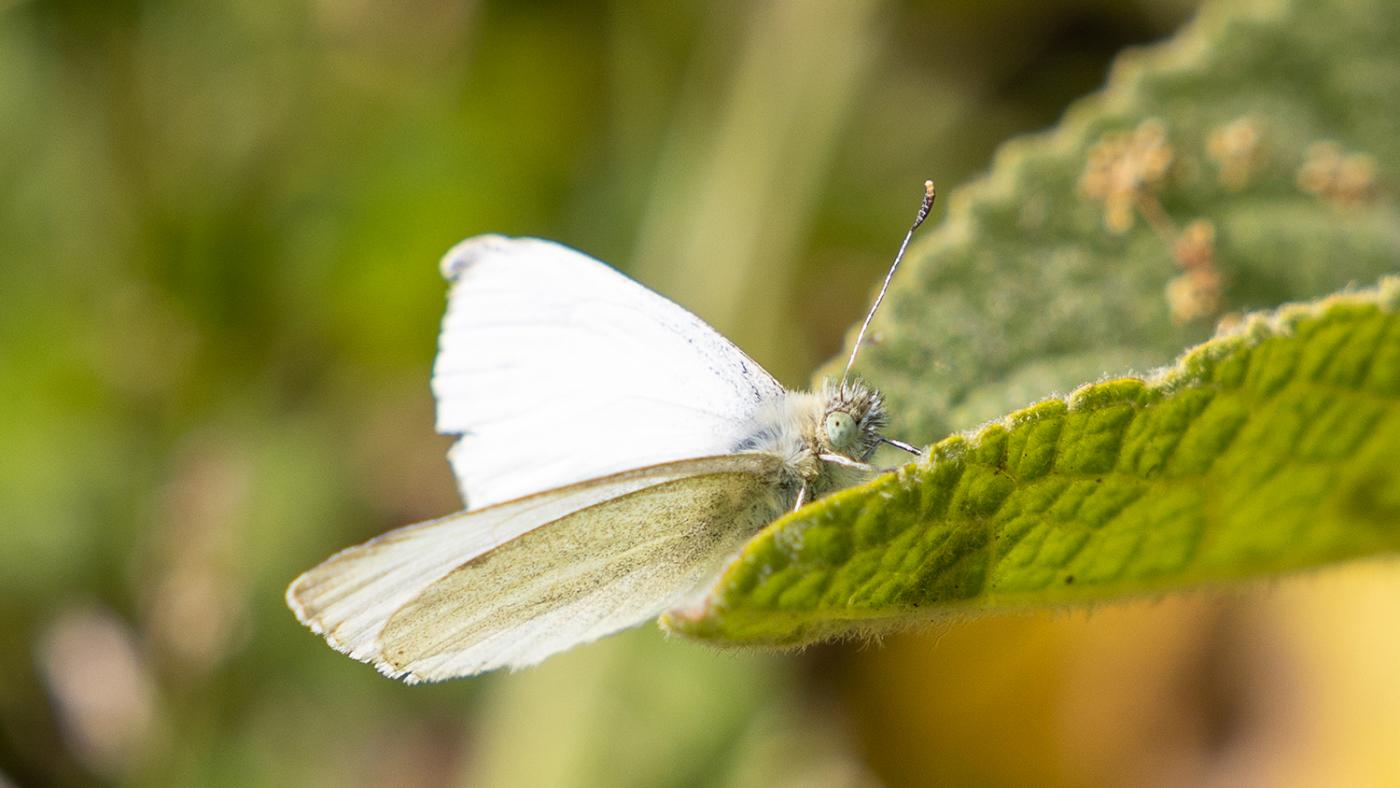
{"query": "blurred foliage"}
(218, 303)
(1271, 449)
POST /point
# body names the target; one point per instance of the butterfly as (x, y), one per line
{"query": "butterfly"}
(614, 452)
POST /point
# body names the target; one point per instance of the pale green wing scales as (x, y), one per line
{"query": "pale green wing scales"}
(508, 585)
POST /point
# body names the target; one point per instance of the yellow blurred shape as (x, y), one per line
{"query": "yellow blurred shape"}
(1289, 684)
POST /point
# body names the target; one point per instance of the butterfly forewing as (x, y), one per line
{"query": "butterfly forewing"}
(555, 368)
(508, 585)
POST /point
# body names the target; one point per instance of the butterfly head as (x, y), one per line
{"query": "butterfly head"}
(852, 419)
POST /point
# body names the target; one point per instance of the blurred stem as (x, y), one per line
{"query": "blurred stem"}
(737, 181)
(634, 710)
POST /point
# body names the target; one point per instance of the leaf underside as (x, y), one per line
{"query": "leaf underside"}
(1274, 448)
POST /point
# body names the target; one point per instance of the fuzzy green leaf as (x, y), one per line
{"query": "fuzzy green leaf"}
(1271, 449)
(1267, 125)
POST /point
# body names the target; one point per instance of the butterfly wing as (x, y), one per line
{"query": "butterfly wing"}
(508, 585)
(555, 368)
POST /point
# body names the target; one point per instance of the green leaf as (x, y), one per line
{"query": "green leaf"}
(1270, 449)
(1251, 153)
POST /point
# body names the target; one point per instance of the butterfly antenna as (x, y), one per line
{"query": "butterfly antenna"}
(914, 450)
(927, 206)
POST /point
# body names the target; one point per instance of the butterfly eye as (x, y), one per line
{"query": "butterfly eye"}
(840, 429)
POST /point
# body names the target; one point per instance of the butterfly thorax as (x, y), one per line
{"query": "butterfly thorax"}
(819, 435)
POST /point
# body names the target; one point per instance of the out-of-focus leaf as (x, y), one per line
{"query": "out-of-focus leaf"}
(1272, 448)
(1272, 123)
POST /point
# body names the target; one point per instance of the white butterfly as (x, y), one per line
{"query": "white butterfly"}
(615, 451)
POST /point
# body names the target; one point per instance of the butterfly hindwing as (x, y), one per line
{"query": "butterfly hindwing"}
(509, 585)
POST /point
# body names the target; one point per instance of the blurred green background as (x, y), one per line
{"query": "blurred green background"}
(219, 227)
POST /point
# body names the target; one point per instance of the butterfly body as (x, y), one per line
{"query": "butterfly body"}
(794, 428)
